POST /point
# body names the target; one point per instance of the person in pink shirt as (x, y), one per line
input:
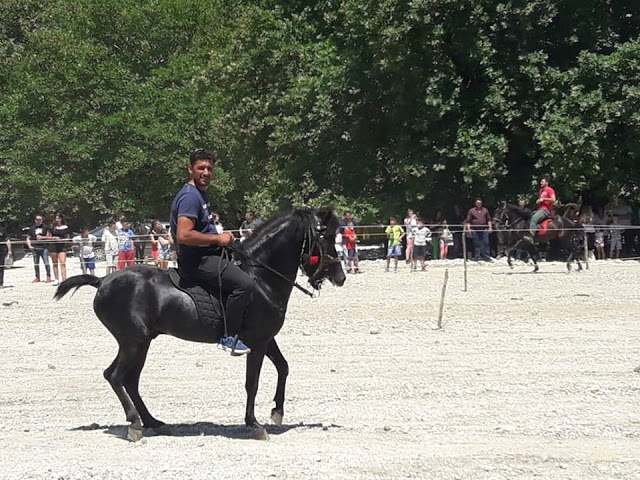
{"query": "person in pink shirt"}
(546, 200)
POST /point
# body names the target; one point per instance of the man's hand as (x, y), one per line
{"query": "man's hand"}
(226, 239)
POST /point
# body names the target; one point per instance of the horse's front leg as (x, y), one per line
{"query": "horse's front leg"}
(278, 360)
(254, 365)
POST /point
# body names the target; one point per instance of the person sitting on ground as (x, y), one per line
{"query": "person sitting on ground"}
(395, 234)
(199, 249)
(352, 247)
(422, 235)
(87, 257)
(546, 200)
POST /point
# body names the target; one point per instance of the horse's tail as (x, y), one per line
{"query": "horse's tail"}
(75, 283)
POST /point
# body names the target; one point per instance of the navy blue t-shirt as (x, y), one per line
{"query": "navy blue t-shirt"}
(192, 203)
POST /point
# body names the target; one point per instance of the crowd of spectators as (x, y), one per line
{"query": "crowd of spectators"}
(416, 239)
(411, 238)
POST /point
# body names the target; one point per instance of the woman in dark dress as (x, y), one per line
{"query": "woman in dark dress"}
(5, 249)
(61, 243)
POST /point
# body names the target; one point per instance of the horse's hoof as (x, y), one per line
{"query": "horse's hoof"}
(134, 434)
(535, 270)
(259, 433)
(163, 430)
(276, 418)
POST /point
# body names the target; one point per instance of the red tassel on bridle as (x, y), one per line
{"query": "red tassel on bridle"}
(314, 260)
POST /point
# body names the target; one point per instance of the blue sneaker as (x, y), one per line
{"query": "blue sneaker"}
(235, 345)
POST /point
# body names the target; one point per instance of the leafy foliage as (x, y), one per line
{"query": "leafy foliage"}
(370, 106)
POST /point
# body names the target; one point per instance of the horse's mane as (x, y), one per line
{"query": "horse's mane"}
(305, 218)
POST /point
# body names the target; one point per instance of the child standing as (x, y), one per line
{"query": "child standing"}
(421, 235)
(352, 251)
(87, 258)
(599, 244)
(340, 250)
(126, 253)
(164, 250)
(395, 234)
(110, 240)
(446, 239)
(616, 238)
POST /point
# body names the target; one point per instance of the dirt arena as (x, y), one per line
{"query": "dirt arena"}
(531, 377)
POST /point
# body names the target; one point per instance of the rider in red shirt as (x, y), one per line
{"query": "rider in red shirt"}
(546, 199)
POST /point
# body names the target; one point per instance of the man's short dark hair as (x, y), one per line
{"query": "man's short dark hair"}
(478, 199)
(546, 177)
(201, 154)
(110, 222)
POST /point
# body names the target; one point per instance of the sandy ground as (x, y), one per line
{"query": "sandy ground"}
(531, 377)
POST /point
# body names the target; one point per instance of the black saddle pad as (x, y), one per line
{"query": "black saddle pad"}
(208, 306)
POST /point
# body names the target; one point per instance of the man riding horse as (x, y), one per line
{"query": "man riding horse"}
(199, 247)
(546, 199)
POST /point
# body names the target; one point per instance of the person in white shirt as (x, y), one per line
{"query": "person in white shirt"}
(624, 212)
(421, 235)
(110, 240)
(340, 250)
(87, 257)
(410, 226)
(446, 240)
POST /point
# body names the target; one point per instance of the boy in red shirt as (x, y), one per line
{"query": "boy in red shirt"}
(546, 199)
(352, 252)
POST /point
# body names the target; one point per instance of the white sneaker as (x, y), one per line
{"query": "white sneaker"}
(55, 282)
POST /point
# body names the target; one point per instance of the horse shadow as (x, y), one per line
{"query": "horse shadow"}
(529, 273)
(203, 429)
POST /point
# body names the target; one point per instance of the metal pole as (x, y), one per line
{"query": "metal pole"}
(464, 256)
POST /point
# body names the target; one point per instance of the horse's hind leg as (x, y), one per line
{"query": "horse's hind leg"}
(278, 360)
(131, 384)
(115, 375)
(531, 250)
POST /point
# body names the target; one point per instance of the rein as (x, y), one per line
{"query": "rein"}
(323, 260)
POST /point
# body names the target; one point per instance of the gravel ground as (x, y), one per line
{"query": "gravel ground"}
(531, 377)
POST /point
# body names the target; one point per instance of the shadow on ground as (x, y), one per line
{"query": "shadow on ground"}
(206, 429)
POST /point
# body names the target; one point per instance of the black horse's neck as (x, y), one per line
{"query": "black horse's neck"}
(279, 244)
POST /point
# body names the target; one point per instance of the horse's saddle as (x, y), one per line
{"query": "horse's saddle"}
(208, 305)
(543, 226)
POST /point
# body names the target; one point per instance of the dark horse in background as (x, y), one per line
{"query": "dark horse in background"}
(139, 303)
(564, 230)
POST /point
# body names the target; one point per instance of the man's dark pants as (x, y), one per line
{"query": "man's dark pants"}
(480, 244)
(3, 253)
(41, 253)
(213, 271)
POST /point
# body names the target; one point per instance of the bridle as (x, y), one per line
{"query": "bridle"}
(323, 260)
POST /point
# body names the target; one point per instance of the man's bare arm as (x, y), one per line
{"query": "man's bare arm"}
(187, 235)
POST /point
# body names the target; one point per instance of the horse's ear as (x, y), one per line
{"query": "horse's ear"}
(325, 214)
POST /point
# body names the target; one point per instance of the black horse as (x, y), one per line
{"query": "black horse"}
(560, 228)
(139, 303)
